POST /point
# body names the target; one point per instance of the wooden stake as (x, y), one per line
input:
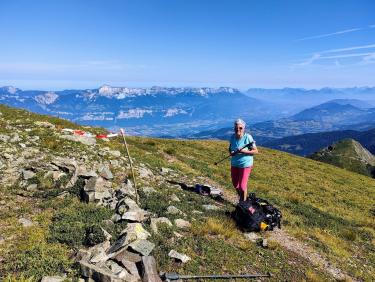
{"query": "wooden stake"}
(131, 163)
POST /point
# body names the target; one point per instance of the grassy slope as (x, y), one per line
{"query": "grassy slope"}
(326, 207)
(344, 155)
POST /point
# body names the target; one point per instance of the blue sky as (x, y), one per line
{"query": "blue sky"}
(84, 44)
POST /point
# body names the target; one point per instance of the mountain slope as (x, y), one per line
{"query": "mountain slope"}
(313, 196)
(306, 144)
(348, 154)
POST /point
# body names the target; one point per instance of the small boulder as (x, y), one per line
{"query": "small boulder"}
(183, 224)
(174, 198)
(27, 174)
(144, 172)
(173, 210)
(25, 222)
(252, 236)
(178, 256)
(143, 247)
(105, 172)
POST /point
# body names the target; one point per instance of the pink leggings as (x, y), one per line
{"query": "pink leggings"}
(240, 177)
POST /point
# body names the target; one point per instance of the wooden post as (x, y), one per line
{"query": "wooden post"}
(131, 164)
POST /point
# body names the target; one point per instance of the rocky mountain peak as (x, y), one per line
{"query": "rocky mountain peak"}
(10, 89)
(47, 98)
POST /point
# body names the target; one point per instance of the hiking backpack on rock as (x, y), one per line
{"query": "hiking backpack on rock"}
(256, 214)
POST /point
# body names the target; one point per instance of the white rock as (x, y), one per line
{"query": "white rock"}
(25, 222)
(180, 223)
(181, 257)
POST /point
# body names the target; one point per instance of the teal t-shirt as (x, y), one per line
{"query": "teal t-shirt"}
(241, 160)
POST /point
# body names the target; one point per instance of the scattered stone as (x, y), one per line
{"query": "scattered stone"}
(180, 223)
(265, 243)
(127, 189)
(99, 255)
(145, 172)
(131, 267)
(125, 255)
(136, 231)
(15, 138)
(181, 257)
(173, 210)
(134, 215)
(197, 212)
(174, 198)
(156, 221)
(53, 279)
(119, 271)
(4, 138)
(178, 235)
(115, 154)
(252, 236)
(25, 222)
(165, 170)
(82, 172)
(119, 244)
(32, 187)
(148, 190)
(116, 218)
(7, 156)
(210, 207)
(105, 172)
(149, 270)
(98, 273)
(44, 124)
(142, 247)
(56, 175)
(89, 141)
(114, 163)
(27, 174)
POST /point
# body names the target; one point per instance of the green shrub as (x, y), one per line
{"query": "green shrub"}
(71, 225)
(94, 235)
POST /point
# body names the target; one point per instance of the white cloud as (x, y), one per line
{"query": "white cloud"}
(330, 34)
(309, 61)
(348, 49)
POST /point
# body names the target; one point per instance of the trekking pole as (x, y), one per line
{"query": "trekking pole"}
(236, 152)
(131, 163)
(175, 276)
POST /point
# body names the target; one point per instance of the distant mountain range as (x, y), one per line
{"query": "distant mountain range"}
(293, 100)
(176, 112)
(331, 116)
(348, 154)
(152, 111)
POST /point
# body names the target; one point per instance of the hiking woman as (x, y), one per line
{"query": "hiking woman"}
(242, 157)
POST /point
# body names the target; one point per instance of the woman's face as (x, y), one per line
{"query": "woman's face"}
(239, 130)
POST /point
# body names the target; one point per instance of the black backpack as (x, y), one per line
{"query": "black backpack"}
(256, 214)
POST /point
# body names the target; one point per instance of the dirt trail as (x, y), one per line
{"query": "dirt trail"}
(292, 244)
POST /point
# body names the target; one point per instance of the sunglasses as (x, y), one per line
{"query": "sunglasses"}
(238, 128)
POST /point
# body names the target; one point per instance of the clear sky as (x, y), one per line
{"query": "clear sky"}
(55, 44)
